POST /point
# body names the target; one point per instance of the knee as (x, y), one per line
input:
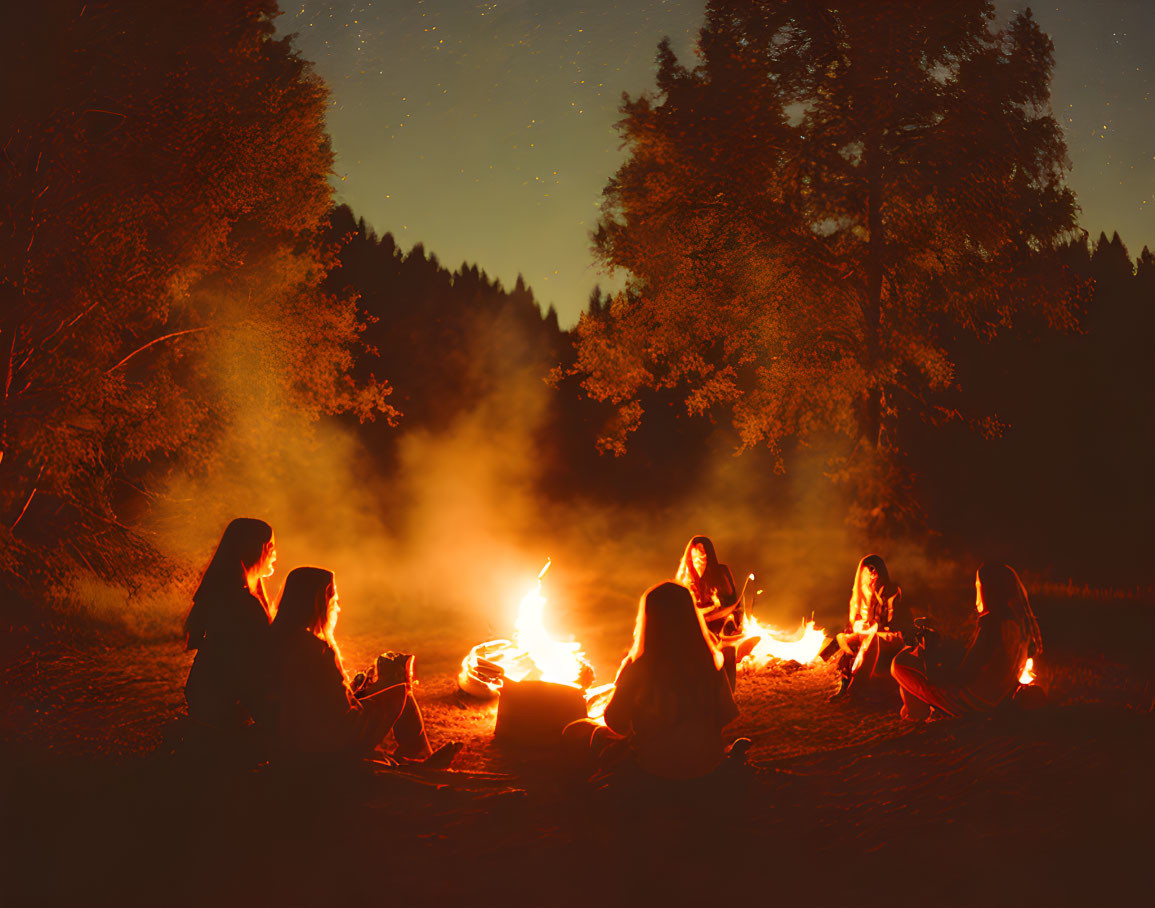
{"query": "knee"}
(579, 734)
(902, 663)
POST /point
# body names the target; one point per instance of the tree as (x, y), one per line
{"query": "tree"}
(811, 214)
(163, 191)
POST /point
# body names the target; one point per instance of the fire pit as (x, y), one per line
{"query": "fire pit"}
(532, 655)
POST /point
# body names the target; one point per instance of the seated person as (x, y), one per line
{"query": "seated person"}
(1007, 634)
(316, 710)
(228, 626)
(874, 631)
(671, 699)
(712, 586)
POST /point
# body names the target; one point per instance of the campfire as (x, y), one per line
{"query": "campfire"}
(761, 645)
(532, 655)
(551, 667)
(801, 645)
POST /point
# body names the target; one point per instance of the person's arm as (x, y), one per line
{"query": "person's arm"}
(619, 714)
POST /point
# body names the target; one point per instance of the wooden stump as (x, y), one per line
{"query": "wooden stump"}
(533, 713)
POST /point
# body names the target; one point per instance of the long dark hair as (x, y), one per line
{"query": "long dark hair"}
(304, 605)
(673, 647)
(870, 609)
(1004, 595)
(711, 579)
(241, 546)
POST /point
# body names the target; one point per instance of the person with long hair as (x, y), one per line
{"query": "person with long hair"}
(228, 627)
(1007, 634)
(711, 584)
(317, 712)
(671, 698)
(875, 628)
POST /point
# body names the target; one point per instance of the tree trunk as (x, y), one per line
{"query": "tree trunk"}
(872, 309)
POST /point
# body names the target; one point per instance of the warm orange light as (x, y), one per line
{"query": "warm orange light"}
(870, 632)
(1028, 675)
(531, 653)
(802, 645)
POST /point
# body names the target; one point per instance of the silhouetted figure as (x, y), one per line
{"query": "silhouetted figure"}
(874, 631)
(671, 699)
(228, 626)
(317, 711)
(1006, 636)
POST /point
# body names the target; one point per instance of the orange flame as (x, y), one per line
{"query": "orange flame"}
(1028, 675)
(802, 645)
(532, 652)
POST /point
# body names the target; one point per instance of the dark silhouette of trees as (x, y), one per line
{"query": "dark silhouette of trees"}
(1067, 487)
(810, 215)
(163, 193)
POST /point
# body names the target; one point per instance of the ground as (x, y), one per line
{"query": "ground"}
(841, 803)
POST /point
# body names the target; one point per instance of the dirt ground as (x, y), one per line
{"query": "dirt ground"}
(841, 803)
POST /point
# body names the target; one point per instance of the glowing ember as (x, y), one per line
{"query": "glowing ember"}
(803, 645)
(1028, 675)
(532, 654)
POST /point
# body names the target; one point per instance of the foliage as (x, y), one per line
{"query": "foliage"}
(163, 190)
(813, 213)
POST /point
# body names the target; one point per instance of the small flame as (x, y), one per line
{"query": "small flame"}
(1028, 675)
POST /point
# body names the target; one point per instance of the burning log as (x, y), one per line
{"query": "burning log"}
(532, 655)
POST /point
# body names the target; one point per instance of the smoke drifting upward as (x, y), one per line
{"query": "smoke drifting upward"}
(434, 553)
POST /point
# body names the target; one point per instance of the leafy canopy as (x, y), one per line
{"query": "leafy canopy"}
(163, 191)
(809, 215)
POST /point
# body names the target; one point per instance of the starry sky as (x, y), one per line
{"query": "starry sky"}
(484, 128)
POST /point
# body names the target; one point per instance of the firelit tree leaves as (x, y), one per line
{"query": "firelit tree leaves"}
(163, 188)
(809, 215)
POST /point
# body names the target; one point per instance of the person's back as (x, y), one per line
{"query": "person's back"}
(674, 734)
(227, 679)
(990, 670)
(310, 698)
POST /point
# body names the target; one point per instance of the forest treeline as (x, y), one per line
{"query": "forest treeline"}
(175, 277)
(1064, 487)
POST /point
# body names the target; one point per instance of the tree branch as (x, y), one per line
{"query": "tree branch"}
(28, 500)
(151, 343)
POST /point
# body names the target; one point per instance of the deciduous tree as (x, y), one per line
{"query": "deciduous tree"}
(810, 214)
(163, 188)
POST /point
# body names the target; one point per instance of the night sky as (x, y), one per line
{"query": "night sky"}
(484, 128)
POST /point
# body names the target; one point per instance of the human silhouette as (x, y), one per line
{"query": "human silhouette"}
(228, 626)
(671, 698)
(317, 712)
(1007, 634)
